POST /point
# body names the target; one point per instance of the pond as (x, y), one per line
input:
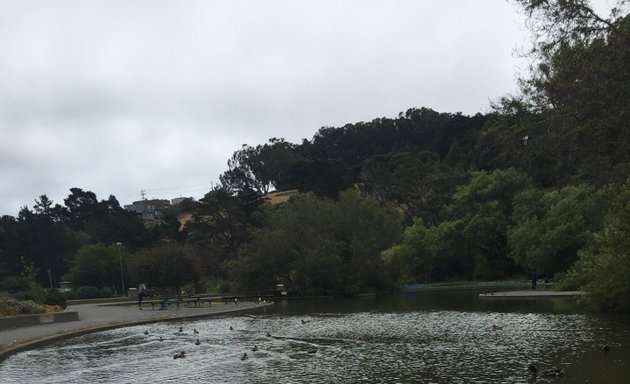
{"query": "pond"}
(439, 336)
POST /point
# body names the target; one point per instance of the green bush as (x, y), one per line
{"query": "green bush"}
(34, 293)
(54, 297)
(107, 292)
(14, 284)
(71, 295)
(21, 296)
(88, 292)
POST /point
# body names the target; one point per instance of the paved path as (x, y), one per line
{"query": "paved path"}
(97, 317)
(531, 293)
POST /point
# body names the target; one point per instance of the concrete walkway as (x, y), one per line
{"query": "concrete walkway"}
(531, 293)
(99, 317)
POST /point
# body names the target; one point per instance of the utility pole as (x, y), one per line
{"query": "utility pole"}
(50, 278)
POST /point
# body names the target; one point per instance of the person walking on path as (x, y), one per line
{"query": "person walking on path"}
(142, 292)
(534, 277)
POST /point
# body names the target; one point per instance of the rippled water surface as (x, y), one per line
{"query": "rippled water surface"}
(439, 337)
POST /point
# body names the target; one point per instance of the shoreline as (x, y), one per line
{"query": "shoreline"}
(102, 317)
(530, 294)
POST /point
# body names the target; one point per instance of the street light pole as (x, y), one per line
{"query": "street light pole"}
(122, 276)
(50, 279)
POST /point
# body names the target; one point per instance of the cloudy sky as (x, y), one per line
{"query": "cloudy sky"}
(116, 97)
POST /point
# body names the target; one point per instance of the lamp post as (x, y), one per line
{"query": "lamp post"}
(50, 278)
(122, 276)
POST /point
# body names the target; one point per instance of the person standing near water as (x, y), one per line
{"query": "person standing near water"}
(142, 291)
(534, 277)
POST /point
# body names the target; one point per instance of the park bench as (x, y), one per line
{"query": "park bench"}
(164, 301)
(197, 300)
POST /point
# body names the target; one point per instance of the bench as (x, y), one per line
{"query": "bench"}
(197, 300)
(166, 301)
(159, 298)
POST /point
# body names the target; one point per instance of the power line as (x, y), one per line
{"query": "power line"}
(194, 187)
(173, 191)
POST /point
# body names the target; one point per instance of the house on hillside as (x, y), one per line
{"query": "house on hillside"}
(280, 197)
(149, 209)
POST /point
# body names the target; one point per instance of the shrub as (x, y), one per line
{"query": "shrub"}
(71, 295)
(21, 295)
(30, 307)
(107, 292)
(88, 292)
(54, 297)
(14, 284)
(11, 306)
(36, 293)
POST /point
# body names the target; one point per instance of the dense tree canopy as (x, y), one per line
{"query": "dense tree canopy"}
(166, 266)
(537, 183)
(319, 246)
(98, 266)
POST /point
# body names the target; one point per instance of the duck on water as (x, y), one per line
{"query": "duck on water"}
(547, 372)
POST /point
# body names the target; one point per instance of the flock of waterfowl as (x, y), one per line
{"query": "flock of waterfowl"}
(547, 372)
(533, 370)
(245, 356)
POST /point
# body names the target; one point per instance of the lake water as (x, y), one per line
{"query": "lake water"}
(441, 336)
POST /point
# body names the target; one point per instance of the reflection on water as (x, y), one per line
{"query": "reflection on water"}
(437, 337)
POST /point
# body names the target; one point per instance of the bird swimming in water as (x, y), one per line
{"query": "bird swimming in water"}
(161, 338)
(606, 348)
(255, 348)
(146, 332)
(197, 342)
(547, 372)
(180, 355)
(244, 357)
(268, 334)
(181, 329)
(195, 331)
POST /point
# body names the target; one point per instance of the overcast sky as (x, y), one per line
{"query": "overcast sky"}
(116, 97)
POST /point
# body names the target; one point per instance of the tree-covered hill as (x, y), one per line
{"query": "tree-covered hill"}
(538, 183)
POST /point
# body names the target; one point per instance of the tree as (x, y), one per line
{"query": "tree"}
(319, 246)
(96, 265)
(366, 227)
(576, 94)
(44, 206)
(413, 260)
(279, 158)
(417, 182)
(117, 225)
(293, 246)
(80, 206)
(165, 265)
(550, 228)
(259, 168)
(326, 178)
(481, 213)
(37, 238)
(604, 266)
(220, 224)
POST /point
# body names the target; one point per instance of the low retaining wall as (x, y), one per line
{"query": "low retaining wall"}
(12, 322)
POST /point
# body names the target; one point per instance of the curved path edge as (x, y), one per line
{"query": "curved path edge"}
(25, 345)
